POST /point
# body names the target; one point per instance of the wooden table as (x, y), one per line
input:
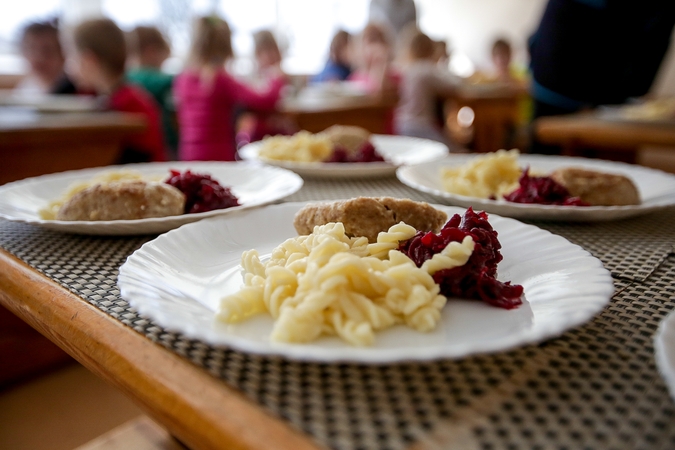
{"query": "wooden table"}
(577, 132)
(496, 108)
(33, 143)
(317, 114)
(595, 386)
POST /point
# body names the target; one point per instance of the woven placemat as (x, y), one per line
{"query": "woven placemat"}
(594, 387)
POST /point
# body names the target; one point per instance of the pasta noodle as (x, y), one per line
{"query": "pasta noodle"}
(492, 175)
(453, 255)
(328, 283)
(301, 147)
(389, 240)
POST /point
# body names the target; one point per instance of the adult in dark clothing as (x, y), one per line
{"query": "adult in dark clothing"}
(593, 52)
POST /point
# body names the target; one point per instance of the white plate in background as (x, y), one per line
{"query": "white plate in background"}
(664, 350)
(178, 279)
(396, 150)
(253, 185)
(656, 188)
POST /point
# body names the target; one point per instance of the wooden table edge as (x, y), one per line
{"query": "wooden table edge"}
(195, 407)
(596, 132)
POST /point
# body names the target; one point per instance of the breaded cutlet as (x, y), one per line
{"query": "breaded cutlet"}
(368, 216)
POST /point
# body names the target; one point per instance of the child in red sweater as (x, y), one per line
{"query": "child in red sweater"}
(98, 63)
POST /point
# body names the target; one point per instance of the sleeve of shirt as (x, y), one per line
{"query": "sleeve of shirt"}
(249, 97)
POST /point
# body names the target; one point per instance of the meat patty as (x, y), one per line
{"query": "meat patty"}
(348, 137)
(598, 188)
(124, 200)
(368, 216)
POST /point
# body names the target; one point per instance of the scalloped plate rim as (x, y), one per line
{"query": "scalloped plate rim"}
(156, 224)
(299, 351)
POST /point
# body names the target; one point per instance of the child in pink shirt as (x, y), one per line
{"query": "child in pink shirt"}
(206, 96)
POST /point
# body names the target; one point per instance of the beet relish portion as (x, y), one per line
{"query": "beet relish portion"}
(542, 190)
(365, 153)
(202, 193)
(475, 279)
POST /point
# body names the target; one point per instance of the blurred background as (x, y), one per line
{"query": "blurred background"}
(303, 27)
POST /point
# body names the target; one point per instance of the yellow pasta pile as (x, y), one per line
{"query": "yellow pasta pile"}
(327, 283)
(301, 147)
(492, 175)
(49, 212)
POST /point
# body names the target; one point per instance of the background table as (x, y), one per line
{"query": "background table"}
(496, 107)
(595, 386)
(33, 143)
(317, 114)
(590, 131)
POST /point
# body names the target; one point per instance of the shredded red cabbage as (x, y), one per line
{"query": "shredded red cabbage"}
(366, 153)
(475, 279)
(202, 193)
(542, 190)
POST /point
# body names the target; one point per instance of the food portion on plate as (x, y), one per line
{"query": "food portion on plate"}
(357, 267)
(128, 195)
(650, 110)
(337, 144)
(499, 175)
(368, 216)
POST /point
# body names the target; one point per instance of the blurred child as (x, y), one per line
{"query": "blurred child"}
(338, 67)
(374, 71)
(206, 95)
(267, 55)
(374, 54)
(41, 47)
(257, 125)
(421, 85)
(98, 63)
(501, 60)
(441, 54)
(148, 49)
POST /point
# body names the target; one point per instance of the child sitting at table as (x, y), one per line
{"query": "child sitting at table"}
(338, 67)
(374, 72)
(267, 55)
(374, 54)
(148, 49)
(98, 64)
(41, 47)
(268, 66)
(421, 85)
(206, 95)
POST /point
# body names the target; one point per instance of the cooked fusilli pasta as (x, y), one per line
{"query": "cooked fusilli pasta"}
(329, 283)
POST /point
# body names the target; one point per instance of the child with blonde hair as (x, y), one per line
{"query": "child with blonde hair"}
(98, 63)
(206, 95)
(267, 54)
(421, 85)
(373, 60)
(374, 71)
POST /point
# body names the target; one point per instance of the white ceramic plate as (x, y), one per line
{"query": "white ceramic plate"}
(50, 102)
(396, 150)
(664, 349)
(178, 279)
(253, 185)
(657, 189)
(634, 113)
